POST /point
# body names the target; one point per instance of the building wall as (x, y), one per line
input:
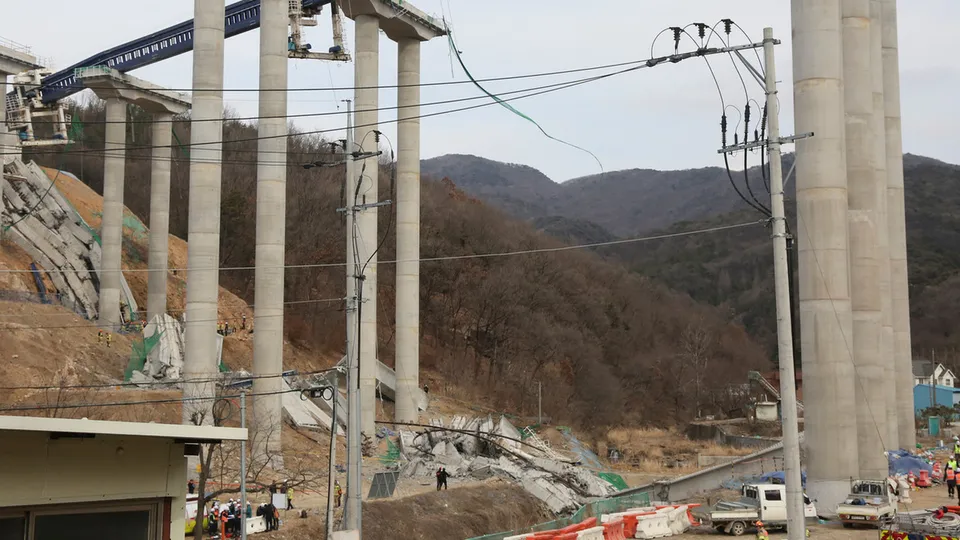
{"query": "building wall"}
(945, 396)
(36, 470)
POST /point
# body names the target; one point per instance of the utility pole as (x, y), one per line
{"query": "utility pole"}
(355, 277)
(354, 463)
(796, 526)
(243, 470)
(334, 427)
(933, 378)
(540, 402)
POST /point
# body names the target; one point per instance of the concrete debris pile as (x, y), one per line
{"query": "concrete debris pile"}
(479, 448)
(165, 348)
(164, 360)
(45, 225)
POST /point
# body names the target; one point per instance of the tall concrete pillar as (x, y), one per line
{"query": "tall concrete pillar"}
(271, 229)
(159, 216)
(825, 312)
(862, 221)
(366, 80)
(111, 224)
(408, 230)
(203, 234)
(897, 223)
(892, 437)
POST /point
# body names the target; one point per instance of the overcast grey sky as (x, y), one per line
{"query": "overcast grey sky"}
(664, 118)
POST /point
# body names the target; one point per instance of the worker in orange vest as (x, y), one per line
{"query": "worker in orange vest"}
(950, 475)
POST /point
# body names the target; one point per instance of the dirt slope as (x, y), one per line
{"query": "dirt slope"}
(43, 344)
(454, 514)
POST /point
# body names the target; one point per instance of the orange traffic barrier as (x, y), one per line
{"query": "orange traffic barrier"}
(575, 528)
(613, 530)
(630, 525)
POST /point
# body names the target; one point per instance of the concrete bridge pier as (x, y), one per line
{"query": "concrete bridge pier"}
(159, 215)
(367, 101)
(271, 228)
(119, 90)
(111, 222)
(408, 231)
(408, 26)
(825, 309)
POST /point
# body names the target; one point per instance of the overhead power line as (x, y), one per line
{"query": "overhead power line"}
(652, 62)
(116, 327)
(388, 86)
(186, 119)
(142, 402)
(164, 383)
(455, 257)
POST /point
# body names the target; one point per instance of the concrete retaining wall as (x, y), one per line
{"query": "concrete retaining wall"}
(716, 433)
(685, 487)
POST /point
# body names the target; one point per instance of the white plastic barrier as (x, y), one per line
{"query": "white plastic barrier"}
(656, 525)
(596, 533)
(518, 537)
(256, 525)
(678, 520)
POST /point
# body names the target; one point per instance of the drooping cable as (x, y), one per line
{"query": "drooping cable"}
(723, 125)
(511, 108)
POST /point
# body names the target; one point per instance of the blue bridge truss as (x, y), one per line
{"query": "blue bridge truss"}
(240, 17)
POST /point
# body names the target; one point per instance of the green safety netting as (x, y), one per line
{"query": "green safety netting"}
(595, 509)
(391, 456)
(614, 480)
(138, 354)
(141, 349)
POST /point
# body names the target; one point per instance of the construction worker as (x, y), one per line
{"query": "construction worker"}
(337, 492)
(99, 337)
(109, 339)
(761, 532)
(243, 321)
(950, 476)
(956, 447)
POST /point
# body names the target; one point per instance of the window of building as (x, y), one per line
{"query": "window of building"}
(13, 527)
(134, 520)
(122, 525)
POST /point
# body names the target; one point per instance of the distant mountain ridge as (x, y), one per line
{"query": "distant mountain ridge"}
(626, 203)
(732, 269)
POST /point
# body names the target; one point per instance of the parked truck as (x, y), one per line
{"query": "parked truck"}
(758, 502)
(871, 502)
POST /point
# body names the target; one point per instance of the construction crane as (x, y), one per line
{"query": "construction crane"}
(41, 92)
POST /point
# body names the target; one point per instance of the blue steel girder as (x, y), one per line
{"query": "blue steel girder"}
(240, 17)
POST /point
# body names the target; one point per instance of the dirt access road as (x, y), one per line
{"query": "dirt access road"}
(925, 498)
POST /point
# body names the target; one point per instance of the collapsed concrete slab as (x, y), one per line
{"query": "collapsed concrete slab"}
(44, 224)
(303, 412)
(480, 448)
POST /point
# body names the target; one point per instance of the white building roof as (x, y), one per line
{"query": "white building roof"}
(186, 433)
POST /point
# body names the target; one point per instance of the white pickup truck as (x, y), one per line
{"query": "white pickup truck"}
(870, 503)
(763, 502)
